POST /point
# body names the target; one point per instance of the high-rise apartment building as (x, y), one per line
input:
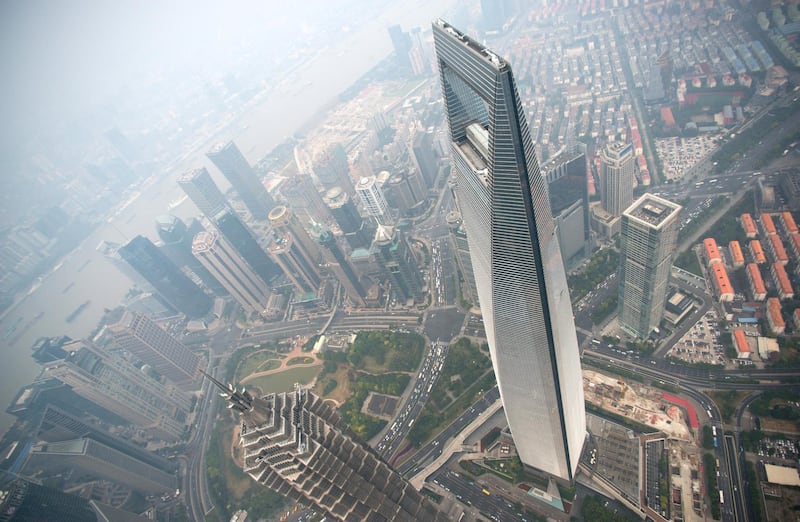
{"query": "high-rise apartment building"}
(617, 177)
(649, 235)
(372, 200)
(165, 277)
(515, 254)
(201, 189)
(244, 179)
(152, 345)
(397, 260)
(227, 266)
(297, 445)
(244, 241)
(118, 386)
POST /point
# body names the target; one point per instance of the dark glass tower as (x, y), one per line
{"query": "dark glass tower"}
(356, 230)
(229, 160)
(165, 276)
(522, 286)
(177, 239)
(337, 263)
(242, 240)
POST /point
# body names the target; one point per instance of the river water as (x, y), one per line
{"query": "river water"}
(86, 275)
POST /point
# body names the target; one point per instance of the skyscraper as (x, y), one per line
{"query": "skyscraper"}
(372, 199)
(649, 235)
(233, 165)
(228, 267)
(617, 177)
(243, 240)
(152, 345)
(177, 237)
(165, 277)
(401, 41)
(294, 251)
(297, 445)
(398, 261)
(201, 189)
(356, 231)
(336, 263)
(87, 456)
(521, 281)
(332, 169)
(115, 384)
(460, 246)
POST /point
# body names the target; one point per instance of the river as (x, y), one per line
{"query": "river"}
(85, 275)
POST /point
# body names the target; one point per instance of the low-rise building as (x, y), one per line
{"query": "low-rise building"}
(736, 254)
(757, 252)
(788, 223)
(741, 344)
(776, 250)
(711, 251)
(781, 280)
(748, 225)
(756, 282)
(767, 225)
(722, 284)
(774, 317)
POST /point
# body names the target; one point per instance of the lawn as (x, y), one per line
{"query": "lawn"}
(284, 381)
(342, 391)
(300, 360)
(253, 363)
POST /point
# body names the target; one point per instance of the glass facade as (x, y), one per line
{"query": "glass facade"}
(515, 253)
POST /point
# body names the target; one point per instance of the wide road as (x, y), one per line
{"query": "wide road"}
(199, 500)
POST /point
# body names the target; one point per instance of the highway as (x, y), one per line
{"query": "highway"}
(195, 480)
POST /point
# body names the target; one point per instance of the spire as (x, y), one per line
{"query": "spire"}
(240, 401)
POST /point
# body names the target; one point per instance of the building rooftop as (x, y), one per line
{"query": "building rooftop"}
(652, 210)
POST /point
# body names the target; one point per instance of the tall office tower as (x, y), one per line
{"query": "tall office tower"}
(201, 189)
(401, 193)
(243, 178)
(89, 457)
(401, 41)
(177, 238)
(228, 267)
(337, 263)
(372, 200)
(569, 202)
(356, 230)
(57, 425)
(165, 277)
(292, 250)
(521, 281)
(297, 445)
(242, 239)
(460, 246)
(425, 158)
(21, 500)
(304, 199)
(398, 262)
(649, 234)
(152, 345)
(115, 384)
(285, 223)
(617, 177)
(333, 170)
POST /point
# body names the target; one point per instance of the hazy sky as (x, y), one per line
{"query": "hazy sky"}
(59, 58)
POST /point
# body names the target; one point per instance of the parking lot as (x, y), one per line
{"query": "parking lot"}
(701, 343)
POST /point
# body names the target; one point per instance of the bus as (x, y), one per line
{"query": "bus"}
(714, 430)
(485, 492)
(721, 498)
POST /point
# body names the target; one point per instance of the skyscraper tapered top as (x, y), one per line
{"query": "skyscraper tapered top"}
(517, 263)
(233, 165)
